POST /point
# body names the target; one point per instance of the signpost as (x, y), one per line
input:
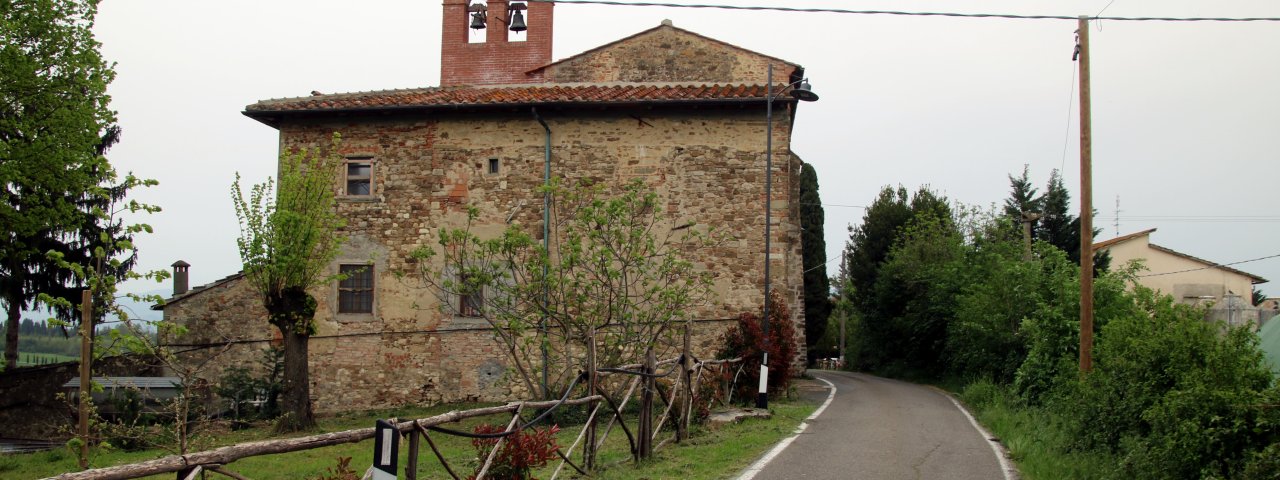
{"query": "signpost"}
(386, 451)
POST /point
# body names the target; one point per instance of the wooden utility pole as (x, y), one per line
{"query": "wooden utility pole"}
(86, 357)
(1027, 219)
(1086, 203)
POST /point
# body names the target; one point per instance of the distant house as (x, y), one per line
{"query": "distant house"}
(1189, 279)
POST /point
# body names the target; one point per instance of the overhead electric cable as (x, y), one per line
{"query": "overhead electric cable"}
(1066, 135)
(1210, 266)
(912, 14)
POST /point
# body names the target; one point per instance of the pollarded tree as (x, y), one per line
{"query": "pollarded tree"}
(53, 112)
(288, 238)
(615, 273)
(817, 287)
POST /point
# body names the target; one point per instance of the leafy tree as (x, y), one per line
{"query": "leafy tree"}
(817, 287)
(1258, 297)
(615, 274)
(915, 294)
(881, 307)
(870, 242)
(287, 243)
(1061, 229)
(53, 112)
(1022, 199)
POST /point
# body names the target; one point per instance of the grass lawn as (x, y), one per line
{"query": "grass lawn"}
(707, 455)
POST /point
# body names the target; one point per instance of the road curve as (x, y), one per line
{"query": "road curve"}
(882, 429)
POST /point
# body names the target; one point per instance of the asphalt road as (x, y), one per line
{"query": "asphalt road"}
(882, 429)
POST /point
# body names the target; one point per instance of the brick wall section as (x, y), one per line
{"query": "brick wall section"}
(495, 61)
(669, 54)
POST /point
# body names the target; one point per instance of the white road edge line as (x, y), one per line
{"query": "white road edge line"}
(1010, 473)
(755, 468)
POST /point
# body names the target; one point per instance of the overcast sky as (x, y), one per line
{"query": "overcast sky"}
(1186, 116)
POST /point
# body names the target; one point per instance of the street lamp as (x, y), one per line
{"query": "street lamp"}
(805, 93)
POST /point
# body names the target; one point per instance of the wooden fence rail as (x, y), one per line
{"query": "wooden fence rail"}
(225, 455)
(679, 410)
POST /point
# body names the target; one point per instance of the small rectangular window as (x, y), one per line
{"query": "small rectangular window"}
(359, 177)
(469, 303)
(355, 293)
(493, 166)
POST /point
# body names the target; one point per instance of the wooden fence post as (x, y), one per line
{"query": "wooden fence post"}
(646, 405)
(411, 466)
(589, 449)
(685, 397)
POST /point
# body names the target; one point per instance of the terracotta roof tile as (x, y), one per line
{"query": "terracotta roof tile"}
(512, 94)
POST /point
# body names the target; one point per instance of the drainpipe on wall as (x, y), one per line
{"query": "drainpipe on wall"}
(546, 243)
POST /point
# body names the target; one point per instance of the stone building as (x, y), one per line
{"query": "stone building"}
(683, 112)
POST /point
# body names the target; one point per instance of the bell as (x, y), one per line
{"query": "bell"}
(517, 22)
(477, 20)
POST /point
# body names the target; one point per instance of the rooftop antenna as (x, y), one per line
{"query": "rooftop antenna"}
(1117, 223)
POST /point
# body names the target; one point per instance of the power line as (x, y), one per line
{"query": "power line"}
(1066, 134)
(832, 205)
(902, 13)
(1210, 266)
(1105, 8)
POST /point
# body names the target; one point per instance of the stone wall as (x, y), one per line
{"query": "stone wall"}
(669, 54)
(707, 167)
(29, 404)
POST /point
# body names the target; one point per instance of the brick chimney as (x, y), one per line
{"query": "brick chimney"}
(180, 279)
(495, 61)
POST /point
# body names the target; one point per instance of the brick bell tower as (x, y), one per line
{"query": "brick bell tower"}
(501, 56)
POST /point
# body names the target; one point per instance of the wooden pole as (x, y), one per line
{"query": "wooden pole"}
(646, 407)
(686, 385)
(589, 450)
(411, 466)
(1086, 204)
(86, 360)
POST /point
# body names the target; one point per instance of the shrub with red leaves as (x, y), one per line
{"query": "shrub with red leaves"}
(746, 340)
(520, 453)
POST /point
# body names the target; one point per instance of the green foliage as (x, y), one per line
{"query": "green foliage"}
(254, 397)
(813, 245)
(1022, 199)
(288, 235)
(915, 293)
(288, 238)
(898, 264)
(616, 271)
(55, 125)
(1058, 227)
(1176, 396)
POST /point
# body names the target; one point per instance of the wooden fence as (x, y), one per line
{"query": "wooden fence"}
(679, 409)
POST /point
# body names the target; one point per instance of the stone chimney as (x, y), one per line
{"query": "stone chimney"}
(496, 60)
(180, 278)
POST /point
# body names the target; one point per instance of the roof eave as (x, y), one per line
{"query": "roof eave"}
(272, 118)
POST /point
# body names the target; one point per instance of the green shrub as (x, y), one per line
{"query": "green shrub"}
(1173, 395)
